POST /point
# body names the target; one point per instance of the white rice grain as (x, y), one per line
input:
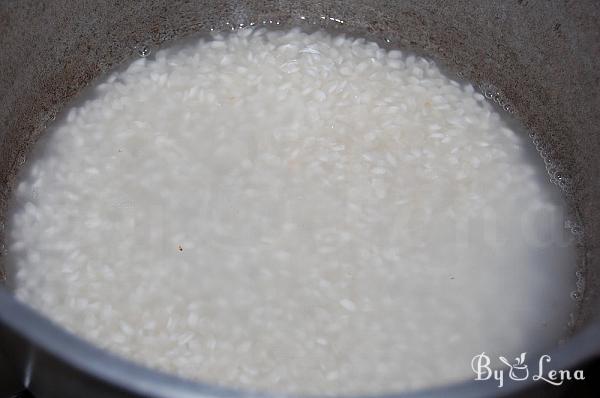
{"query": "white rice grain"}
(292, 212)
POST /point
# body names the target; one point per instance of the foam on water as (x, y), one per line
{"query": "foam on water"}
(293, 212)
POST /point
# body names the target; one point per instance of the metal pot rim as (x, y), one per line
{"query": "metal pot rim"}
(115, 371)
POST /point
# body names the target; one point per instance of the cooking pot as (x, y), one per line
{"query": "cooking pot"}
(538, 59)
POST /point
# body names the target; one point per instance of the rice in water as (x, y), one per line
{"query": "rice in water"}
(293, 212)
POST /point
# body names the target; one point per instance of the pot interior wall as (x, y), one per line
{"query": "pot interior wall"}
(542, 58)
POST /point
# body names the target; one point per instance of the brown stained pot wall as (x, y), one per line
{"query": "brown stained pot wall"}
(542, 56)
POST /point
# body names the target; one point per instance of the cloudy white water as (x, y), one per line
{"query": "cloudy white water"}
(293, 212)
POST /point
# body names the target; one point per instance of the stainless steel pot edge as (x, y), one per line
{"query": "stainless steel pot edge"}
(41, 335)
